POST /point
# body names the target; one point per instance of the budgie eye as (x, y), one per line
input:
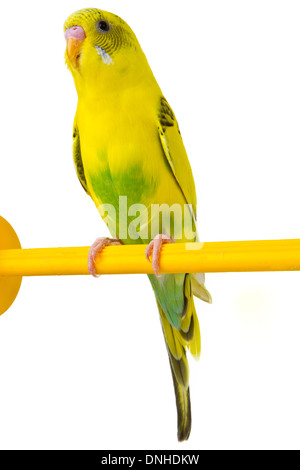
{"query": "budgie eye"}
(103, 26)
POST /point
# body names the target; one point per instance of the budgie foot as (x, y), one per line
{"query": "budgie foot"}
(96, 248)
(154, 249)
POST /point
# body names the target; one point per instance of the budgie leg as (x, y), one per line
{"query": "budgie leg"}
(96, 248)
(154, 249)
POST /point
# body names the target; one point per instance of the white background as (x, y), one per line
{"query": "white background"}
(82, 361)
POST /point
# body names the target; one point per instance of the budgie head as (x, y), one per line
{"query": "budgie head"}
(101, 47)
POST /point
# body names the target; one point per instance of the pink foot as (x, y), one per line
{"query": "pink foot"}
(96, 248)
(154, 249)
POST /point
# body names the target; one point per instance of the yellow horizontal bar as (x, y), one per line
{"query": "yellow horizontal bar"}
(213, 257)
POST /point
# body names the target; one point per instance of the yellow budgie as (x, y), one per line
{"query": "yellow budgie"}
(130, 159)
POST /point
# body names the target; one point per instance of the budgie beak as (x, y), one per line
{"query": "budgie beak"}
(74, 37)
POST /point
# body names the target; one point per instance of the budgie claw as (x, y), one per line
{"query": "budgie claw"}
(154, 249)
(96, 248)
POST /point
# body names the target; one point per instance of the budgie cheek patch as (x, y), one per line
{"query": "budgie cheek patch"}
(104, 55)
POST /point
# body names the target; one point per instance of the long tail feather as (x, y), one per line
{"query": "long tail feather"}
(184, 415)
(177, 341)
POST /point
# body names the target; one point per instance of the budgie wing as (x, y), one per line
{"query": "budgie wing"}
(175, 153)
